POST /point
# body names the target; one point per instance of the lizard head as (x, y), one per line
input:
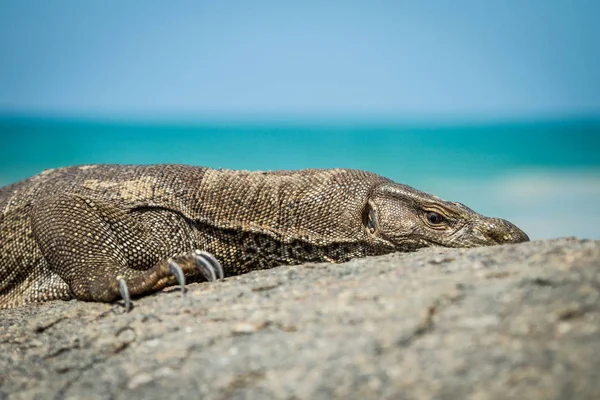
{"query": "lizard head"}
(409, 219)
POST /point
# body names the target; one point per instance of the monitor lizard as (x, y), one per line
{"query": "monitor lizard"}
(104, 232)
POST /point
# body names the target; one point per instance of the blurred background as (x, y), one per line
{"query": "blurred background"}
(495, 104)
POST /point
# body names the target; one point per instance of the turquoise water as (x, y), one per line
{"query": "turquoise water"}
(520, 170)
(399, 151)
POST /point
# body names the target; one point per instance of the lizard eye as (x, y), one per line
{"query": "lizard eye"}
(434, 218)
(370, 219)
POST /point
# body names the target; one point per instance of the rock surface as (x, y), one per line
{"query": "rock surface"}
(516, 321)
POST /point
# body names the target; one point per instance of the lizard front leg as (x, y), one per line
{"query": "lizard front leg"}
(103, 251)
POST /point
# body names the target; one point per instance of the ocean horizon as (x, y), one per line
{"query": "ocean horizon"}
(543, 175)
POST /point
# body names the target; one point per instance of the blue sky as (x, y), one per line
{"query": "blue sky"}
(463, 59)
(475, 64)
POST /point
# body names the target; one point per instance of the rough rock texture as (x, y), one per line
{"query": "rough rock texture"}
(514, 321)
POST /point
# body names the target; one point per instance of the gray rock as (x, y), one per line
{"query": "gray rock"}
(516, 321)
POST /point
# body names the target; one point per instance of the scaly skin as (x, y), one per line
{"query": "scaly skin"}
(98, 232)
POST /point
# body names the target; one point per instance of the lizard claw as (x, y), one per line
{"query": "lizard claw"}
(208, 265)
(179, 275)
(125, 294)
(203, 261)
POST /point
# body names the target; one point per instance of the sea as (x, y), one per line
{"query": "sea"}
(543, 175)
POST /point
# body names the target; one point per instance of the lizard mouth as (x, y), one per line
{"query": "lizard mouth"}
(415, 243)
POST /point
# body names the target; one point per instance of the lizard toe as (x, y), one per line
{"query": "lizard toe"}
(208, 265)
(214, 262)
(206, 268)
(124, 290)
(178, 273)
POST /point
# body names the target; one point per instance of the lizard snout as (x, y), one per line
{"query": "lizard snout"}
(499, 231)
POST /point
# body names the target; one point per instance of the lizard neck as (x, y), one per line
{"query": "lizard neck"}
(288, 204)
(315, 213)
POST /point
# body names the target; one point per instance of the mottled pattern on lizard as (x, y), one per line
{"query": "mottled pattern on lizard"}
(77, 232)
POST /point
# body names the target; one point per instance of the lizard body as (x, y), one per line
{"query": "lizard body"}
(81, 232)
